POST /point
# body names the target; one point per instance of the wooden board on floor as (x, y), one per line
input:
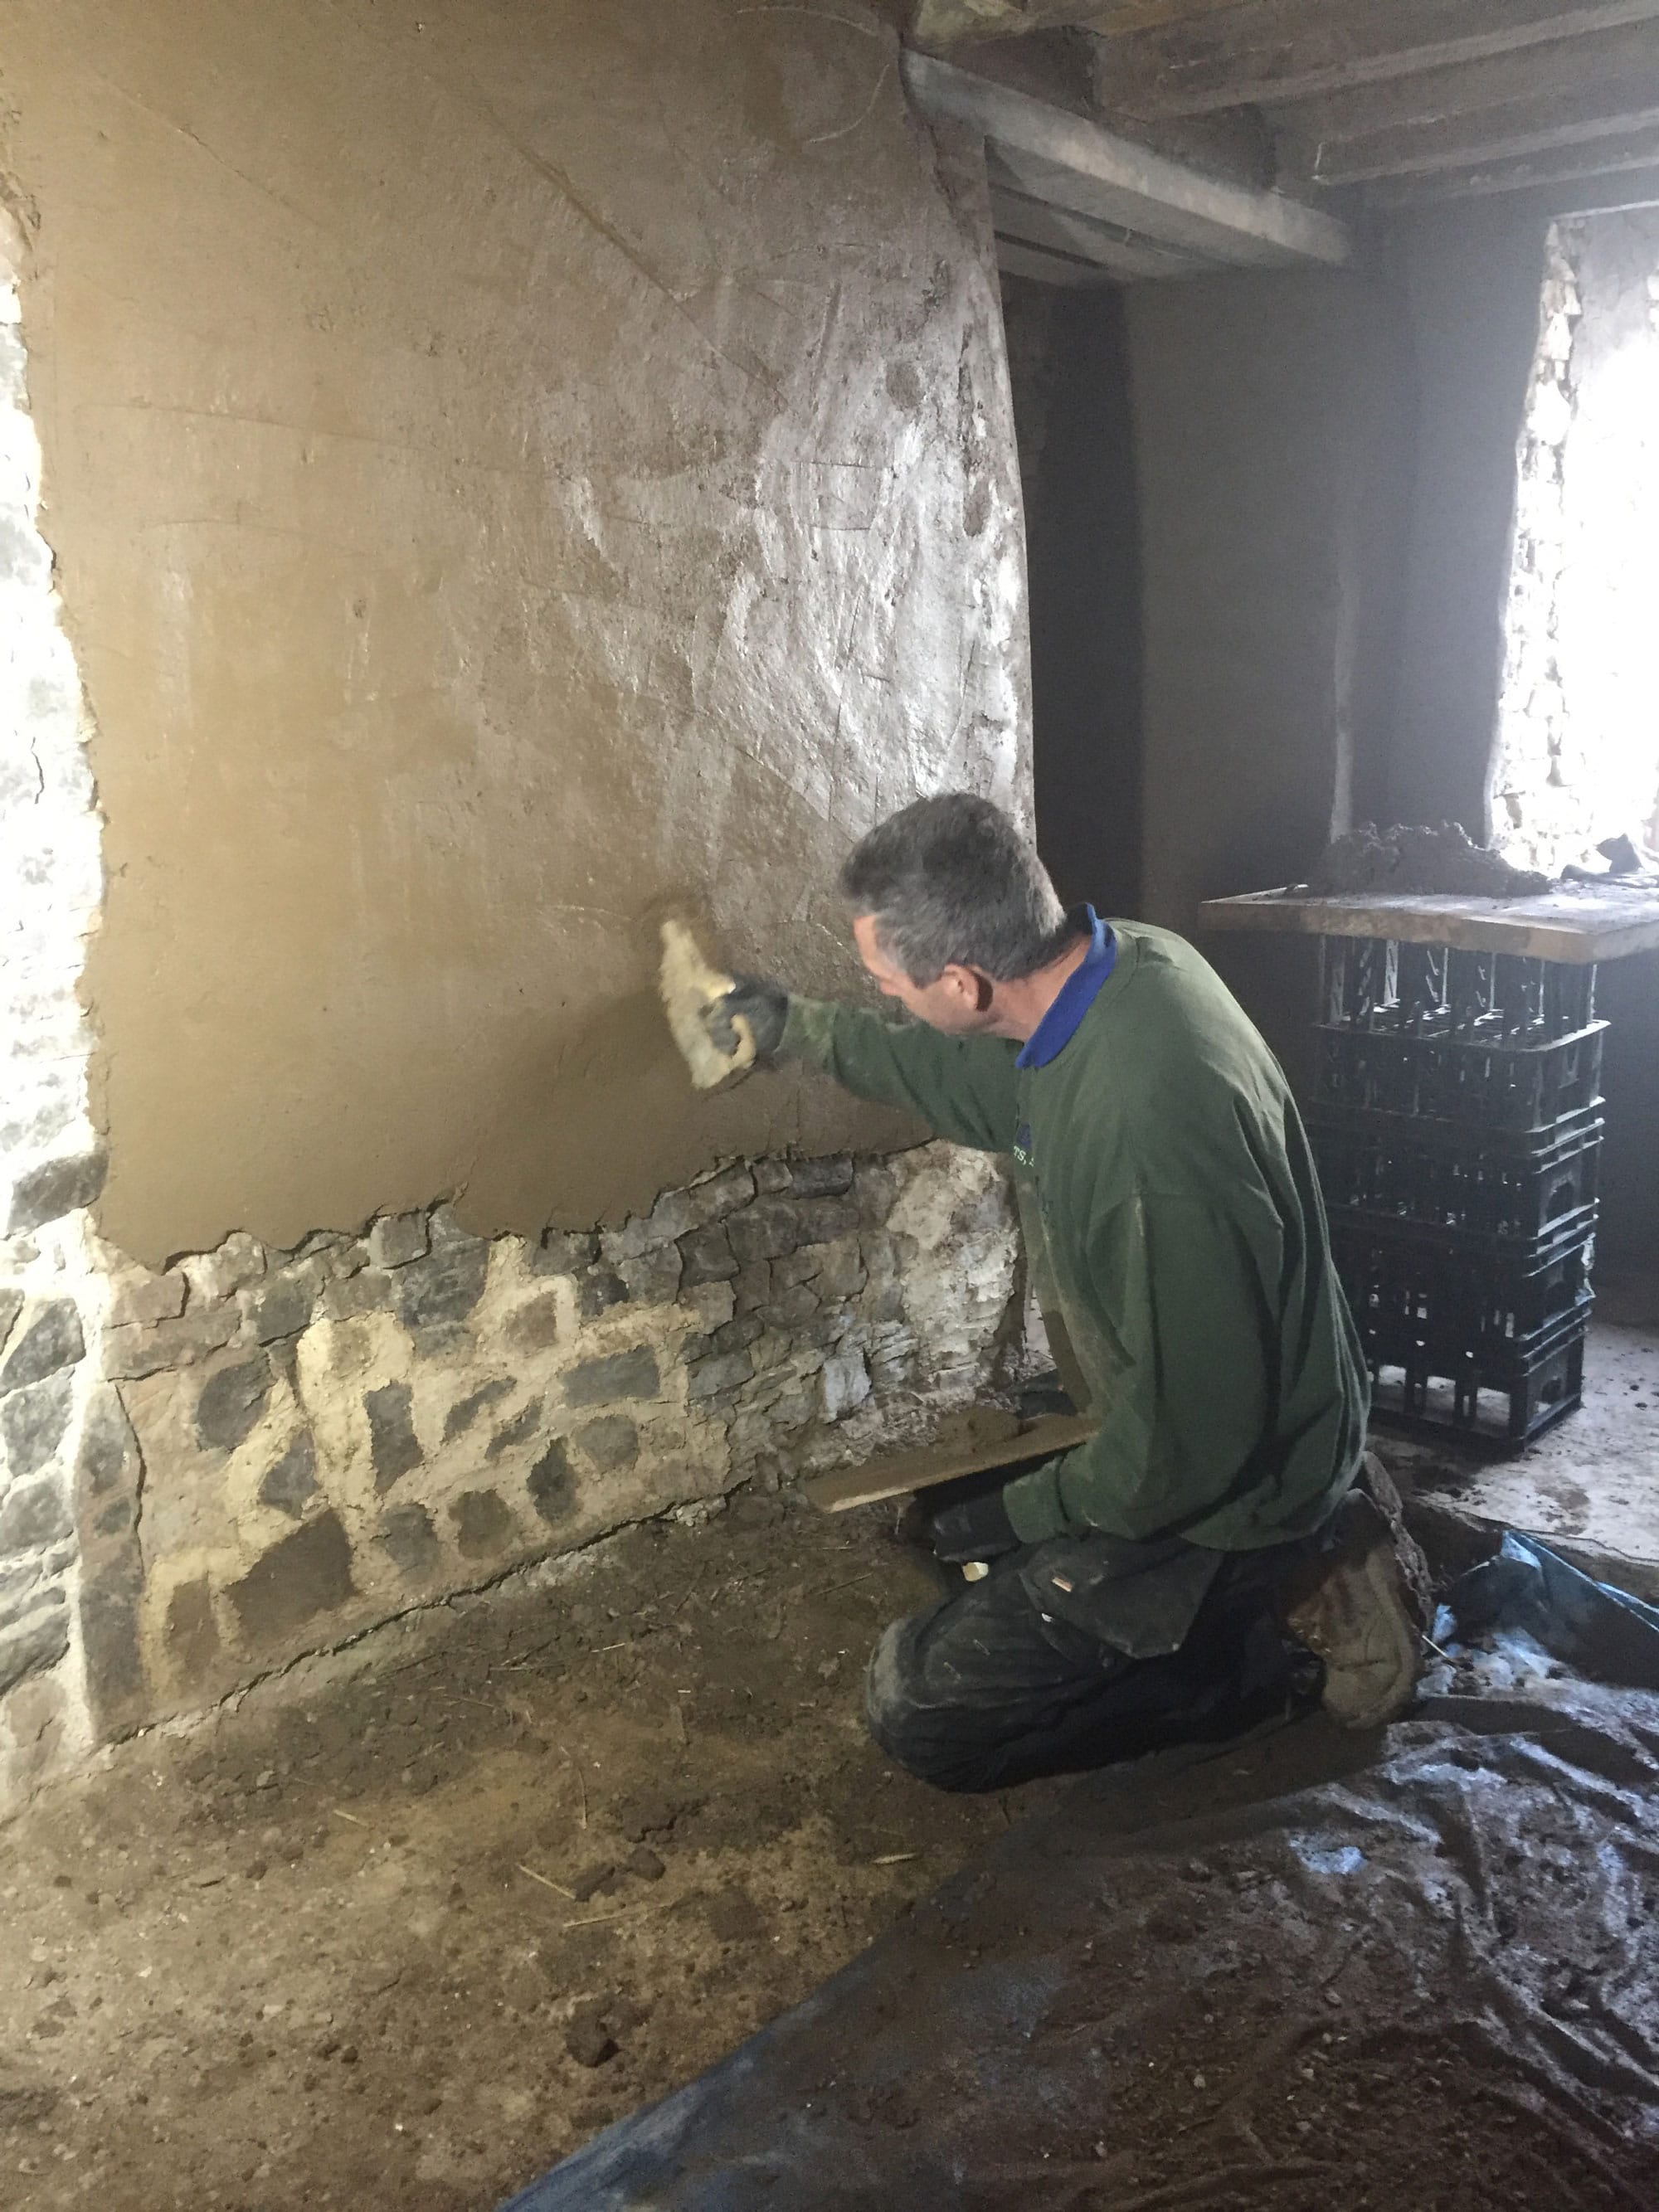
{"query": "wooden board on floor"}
(995, 1438)
(1573, 922)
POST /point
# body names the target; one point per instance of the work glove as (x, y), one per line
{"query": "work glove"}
(977, 1530)
(762, 1003)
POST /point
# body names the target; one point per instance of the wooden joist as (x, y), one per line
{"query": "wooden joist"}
(1066, 161)
(1106, 254)
(1268, 52)
(1521, 103)
(1603, 173)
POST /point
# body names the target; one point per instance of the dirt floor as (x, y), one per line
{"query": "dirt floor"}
(414, 1920)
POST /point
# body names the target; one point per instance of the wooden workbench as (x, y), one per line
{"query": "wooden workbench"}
(1574, 923)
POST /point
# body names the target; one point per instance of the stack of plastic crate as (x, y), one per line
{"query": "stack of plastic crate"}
(1457, 1122)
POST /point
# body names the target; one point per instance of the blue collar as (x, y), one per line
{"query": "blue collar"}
(1076, 994)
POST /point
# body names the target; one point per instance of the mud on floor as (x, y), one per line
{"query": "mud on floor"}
(414, 1920)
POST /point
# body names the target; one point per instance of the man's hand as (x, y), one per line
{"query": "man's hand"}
(762, 1003)
(979, 1529)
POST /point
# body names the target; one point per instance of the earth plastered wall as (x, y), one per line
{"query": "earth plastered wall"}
(507, 470)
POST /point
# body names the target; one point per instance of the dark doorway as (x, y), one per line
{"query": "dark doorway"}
(1068, 361)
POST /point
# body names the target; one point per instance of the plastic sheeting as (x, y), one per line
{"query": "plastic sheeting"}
(1305, 1972)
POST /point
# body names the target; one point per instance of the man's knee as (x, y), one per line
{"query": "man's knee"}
(935, 1742)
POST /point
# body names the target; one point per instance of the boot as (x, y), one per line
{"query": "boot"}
(1362, 1606)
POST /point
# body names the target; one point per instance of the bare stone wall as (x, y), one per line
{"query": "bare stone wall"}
(283, 1446)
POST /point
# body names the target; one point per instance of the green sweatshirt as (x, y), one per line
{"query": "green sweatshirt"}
(1178, 1238)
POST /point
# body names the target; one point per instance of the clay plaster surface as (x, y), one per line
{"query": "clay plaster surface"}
(509, 468)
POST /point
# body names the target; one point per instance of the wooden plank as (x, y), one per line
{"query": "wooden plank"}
(1125, 258)
(1266, 52)
(1522, 103)
(1613, 172)
(939, 25)
(1466, 143)
(1574, 923)
(1069, 161)
(1015, 258)
(992, 1439)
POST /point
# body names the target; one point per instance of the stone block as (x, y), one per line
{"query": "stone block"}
(797, 1267)
(59, 1187)
(534, 1325)
(11, 1304)
(706, 1257)
(673, 1216)
(791, 1309)
(190, 1634)
(717, 1195)
(519, 1431)
(39, 1640)
(770, 1177)
(137, 1295)
(765, 1231)
(47, 1338)
(483, 1527)
(32, 1422)
(817, 1220)
(598, 1289)
(842, 1271)
(736, 1334)
(139, 1350)
(394, 1448)
(876, 1187)
(32, 1515)
(707, 1378)
(618, 1377)
(305, 1574)
(409, 1540)
(283, 1306)
(824, 1178)
(217, 1275)
(609, 1444)
(398, 1238)
(465, 1411)
(290, 1481)
(444, 1285)
(108, 1610)
(229, 1403)
(654, 1280)
(368, 1292)
(710, 1304)
(844, 1384)
(753, 1285)
(20, 1587)
(560, 1252)
(551, 1484)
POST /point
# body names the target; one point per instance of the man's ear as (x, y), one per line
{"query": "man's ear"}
(972, 988)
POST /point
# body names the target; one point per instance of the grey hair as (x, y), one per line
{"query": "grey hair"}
(951, 881)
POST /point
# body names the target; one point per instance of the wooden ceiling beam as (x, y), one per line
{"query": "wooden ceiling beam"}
(1618, 172)
(939, 25)
(1468, 141)
(1581, 74)
(1066, 161)
(1124, 256)
(1266, 52)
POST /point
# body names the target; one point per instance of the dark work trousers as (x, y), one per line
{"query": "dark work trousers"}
(990, 1687)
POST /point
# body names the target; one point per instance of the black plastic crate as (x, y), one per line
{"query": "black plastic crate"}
(1525, 1088)
(1382, 984)
(1496, 1401)
(1458, 1180)
(1418, 1298)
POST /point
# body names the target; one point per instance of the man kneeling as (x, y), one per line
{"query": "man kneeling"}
(1138, 1590)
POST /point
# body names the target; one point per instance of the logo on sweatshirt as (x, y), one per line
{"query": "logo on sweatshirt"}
(1024, 1152)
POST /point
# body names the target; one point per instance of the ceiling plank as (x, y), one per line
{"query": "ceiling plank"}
(1068, 161)
(1596, 69)
(1015, 216)
(938, 24)
(1015, 260)
(1614, 172)
(1466, 141)
(1273, 51)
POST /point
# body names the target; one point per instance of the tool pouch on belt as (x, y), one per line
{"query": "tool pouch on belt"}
(1140, 1600)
